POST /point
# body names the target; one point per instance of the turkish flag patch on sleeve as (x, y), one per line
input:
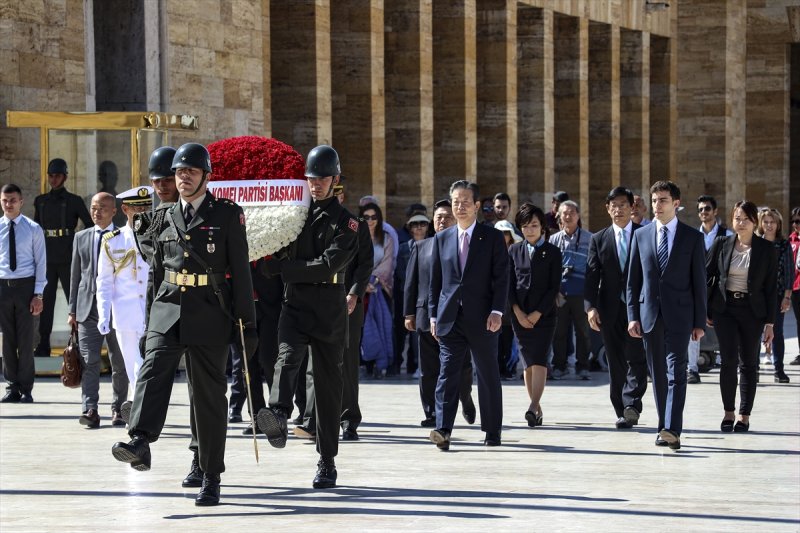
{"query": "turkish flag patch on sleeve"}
(353, 224)
(241, 219)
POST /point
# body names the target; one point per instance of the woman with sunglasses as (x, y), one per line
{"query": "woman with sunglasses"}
(794, 241)
(770, 227)
(741, 308)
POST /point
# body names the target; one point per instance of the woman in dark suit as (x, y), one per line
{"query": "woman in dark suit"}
(534, 283)
(742, 307)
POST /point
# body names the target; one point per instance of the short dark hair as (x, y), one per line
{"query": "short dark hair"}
(11, 188)
(749, 209)
(464, 184)
(664, 185)
(616, 192)
(528, 212)
(707, 199)
(444, 202)
(560, 196)
(502, 196)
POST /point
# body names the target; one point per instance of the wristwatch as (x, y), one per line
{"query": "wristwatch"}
(39, 295)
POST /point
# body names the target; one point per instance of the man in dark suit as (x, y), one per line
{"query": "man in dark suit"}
(83, 315)
(605, 290)
(415, 309)
(197, 309)
(667, 303)
(467, 297)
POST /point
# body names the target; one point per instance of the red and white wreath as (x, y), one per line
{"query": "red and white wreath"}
(265, 177)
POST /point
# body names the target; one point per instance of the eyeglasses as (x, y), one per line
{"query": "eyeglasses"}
(796, 221)
(370, 217)
(704, 208)
(418, 224)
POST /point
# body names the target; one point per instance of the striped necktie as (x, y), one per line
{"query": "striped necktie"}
(663, 250)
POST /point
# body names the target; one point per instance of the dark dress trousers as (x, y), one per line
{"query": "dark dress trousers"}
(534, 285)
(461, 302)
(415, 302)
(739, 318)
(186, 315)
(605, 290)
(668, 306)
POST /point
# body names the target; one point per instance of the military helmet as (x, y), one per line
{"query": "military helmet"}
(192, 155)
(57, 166)
(160, 165)
(322, 161)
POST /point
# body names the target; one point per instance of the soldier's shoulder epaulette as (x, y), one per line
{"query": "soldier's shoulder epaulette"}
(111, 234)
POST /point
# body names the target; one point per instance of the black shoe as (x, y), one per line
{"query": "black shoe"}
(441, 438)
(304, 432)
(741, 427)
(795, 361)
(622, 423)
(726, 426)
(298, 421)
(326, 474)
(781, 377)
(90, 419)
(429, 422)
(661, 442)
(530, 416)
(672, 439)
(248, 430)
(26, 398)
(272, 423)
(468, 410)
(125, 410)
(11, 396)
(116, 419)
(492, 439)
(42, 351)
(350, 434)
(136, 453)
(195, 476)
(693, 378)
(631, 415)
(209, 493)
(235, 416)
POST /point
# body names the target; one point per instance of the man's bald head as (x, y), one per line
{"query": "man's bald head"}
(103, 209)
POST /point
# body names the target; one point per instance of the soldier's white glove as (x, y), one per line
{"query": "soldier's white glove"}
(103, 327)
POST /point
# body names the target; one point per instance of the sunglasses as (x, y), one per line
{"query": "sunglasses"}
(487, 209)
(418, 224)
(704, 209)
(796, 221)
(370, 217)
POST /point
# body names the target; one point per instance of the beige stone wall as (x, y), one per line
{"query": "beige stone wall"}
(41, 68)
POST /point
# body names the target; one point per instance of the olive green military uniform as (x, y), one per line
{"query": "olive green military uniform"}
(314, 315)
(58, 213)
(186, 315)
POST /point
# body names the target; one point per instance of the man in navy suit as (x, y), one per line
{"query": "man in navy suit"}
(605, 290)
(468, 292)
(667, 303)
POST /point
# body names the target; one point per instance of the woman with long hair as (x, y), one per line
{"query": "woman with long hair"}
(534, 282)
(770, 227)
(743, 270)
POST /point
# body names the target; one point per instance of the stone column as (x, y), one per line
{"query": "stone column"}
(661, 106)
(535, 106)
(357, 76)
(301, 72)
(409, 103)
(497, 98)
(635, 110)
(454, 98)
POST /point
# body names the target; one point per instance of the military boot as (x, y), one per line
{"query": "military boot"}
(326, 474)
(195, 476)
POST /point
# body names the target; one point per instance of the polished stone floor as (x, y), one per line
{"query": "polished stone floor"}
(576, 473)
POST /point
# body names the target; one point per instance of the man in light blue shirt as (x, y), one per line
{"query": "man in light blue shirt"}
(23, 265)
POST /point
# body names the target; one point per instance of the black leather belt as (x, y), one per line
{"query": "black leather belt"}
(17, 282)
(57, 232)
(737, 295)
(191, 280)
(337, 279)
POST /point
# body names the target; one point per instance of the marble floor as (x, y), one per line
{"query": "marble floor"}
(575, 473)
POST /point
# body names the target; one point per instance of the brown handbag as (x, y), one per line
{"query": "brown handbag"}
(71, 366)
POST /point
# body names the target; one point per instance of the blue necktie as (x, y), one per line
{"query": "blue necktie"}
(663, 250)
(623, 250)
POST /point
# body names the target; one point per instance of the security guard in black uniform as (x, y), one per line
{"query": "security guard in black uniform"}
(58, 213)
(314, 313)
(195, 310)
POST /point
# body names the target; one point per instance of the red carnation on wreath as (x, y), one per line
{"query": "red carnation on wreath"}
(273, 212)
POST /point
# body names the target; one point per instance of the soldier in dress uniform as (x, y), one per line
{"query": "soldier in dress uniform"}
(314, 313)
(58, 213)
(122, 274)
(196, 309)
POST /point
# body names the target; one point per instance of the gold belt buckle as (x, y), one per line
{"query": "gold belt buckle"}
(184, 279)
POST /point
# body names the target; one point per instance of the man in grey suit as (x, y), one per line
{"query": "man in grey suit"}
(415, 310)
(667, 303)
(83, 315)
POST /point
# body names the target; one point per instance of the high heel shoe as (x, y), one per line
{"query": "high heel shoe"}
(726, 426)
(531, 418)
(741, 427)
(539, 420)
